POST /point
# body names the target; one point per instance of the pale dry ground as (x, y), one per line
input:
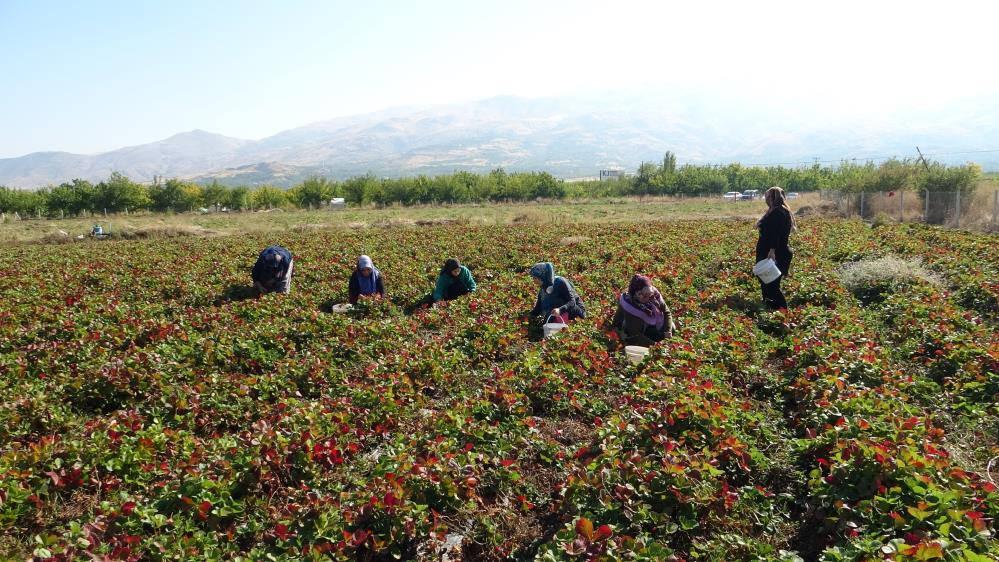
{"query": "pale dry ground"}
(560, 212)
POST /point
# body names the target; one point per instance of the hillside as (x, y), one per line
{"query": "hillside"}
(569, 137)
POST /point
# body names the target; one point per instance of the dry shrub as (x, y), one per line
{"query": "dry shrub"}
(161, 232)
(820, 209)
(573, 240)
(312, 227)
(528, 217)
(57, 237)
(872, 280)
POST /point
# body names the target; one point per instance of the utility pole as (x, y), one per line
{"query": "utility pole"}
(922, 159)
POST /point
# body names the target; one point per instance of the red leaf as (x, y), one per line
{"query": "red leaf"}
(281, 531)
(127, 508)
(603, 532)
(584, 527)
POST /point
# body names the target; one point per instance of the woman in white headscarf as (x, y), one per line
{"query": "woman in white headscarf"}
(365, 281)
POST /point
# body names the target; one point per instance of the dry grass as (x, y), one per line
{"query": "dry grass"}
(620, 210)
(872, 280)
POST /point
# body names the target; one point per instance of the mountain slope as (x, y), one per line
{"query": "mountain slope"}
(566, 136)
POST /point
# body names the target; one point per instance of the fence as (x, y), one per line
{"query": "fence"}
(974, 210)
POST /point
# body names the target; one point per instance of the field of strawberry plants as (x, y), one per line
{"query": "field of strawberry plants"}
(149, 410)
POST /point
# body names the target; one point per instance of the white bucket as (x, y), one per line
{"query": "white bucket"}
(766, 270)
(344, 307)
(551, 328)
(636, 353)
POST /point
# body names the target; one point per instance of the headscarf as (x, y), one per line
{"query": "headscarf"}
(775, 199)
(450, 265)
(544, 271)
(656, 305)
(369, 284)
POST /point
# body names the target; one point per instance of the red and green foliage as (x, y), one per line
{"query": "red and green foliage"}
(150, 411)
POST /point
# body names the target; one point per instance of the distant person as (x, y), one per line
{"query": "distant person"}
(775, 228)
(97, 231)
(453, 281)
(365, 281)
(272, 272)
(556, 295)
(642, 317)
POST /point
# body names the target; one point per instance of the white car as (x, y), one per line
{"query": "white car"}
(792, 195)
(733, 195)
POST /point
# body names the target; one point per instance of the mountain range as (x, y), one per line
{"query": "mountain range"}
(567, 136)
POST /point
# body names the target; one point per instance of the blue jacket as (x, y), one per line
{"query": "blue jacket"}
(264, 271)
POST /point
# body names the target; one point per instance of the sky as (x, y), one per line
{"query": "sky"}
(92, 76)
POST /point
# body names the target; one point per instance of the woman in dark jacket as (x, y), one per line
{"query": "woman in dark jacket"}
(365, 281)
(272, 272)
(556, 295)
(775, 227)
(642, 317)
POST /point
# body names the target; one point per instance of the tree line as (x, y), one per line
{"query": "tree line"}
(118, 193)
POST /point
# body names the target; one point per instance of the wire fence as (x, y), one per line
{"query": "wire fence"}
(977, 210)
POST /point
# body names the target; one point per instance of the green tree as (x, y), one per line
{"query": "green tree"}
(214, 194)
(72, 198)
(118, 193)
(314, 192)
(268, 197)
(669, 162)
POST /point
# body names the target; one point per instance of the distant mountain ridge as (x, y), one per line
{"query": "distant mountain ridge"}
(570, 137)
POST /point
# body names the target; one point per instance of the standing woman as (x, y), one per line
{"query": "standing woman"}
(775, 227)
(365, 281)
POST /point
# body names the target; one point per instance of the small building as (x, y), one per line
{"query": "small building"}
(611, 175)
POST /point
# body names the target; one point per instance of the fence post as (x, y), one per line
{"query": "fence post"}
(861, 204)
(995, 207)
(957, 210)
(901, 206)
(926, 208)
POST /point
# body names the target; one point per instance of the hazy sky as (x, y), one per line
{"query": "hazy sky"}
(94, 76)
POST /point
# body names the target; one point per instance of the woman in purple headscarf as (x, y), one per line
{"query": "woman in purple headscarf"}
(642, 317)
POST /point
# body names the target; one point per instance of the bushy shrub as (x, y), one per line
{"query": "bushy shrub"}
(871, 280)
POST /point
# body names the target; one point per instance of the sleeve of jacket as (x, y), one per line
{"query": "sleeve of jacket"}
(537, 307)
(573, 303)
(258, 272)
(353, 288)
(668, 314)
(440, 287)
(467, 279)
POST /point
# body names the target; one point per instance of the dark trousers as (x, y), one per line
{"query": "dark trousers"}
(456, 290)
(773, 297)
(655, 334)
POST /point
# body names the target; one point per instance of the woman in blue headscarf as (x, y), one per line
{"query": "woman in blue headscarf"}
(365, 281)
(556, 295)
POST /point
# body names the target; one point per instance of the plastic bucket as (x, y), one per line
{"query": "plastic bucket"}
(551, 328)
(345, 307)
(636, 353)
(767, 270)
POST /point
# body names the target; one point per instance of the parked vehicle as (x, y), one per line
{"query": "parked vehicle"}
(750, 194)
(733, 195)
(792, 195)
